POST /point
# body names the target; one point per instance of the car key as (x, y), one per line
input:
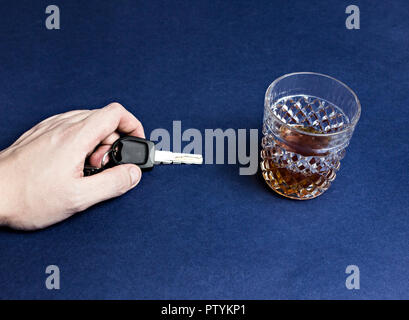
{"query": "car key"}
(142, 152)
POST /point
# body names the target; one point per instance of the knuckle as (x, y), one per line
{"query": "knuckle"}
(116, 106)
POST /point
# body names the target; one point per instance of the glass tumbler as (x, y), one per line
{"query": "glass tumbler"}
(308, 121)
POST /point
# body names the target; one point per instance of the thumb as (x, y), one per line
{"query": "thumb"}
(110, 183)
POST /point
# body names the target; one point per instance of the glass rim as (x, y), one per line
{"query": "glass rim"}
(348, 127)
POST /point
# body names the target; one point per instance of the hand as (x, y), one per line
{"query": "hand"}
(42, 180)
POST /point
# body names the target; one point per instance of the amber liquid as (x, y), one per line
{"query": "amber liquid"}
(296, 185)
(289, 183)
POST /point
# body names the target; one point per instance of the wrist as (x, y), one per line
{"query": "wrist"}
(8, 193)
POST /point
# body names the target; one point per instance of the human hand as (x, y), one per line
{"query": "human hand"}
(42, 180)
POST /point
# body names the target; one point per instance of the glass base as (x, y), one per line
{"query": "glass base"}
(295, 185)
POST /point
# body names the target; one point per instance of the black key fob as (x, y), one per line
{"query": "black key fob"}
(134, 150)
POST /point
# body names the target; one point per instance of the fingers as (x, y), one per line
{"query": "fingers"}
(102, 123)
(96, 156)
(95, 159)
(110, 183)
(111, 138)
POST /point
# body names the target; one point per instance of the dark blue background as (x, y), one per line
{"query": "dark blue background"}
(207, 232)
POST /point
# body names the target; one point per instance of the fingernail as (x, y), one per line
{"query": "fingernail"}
(135, 175)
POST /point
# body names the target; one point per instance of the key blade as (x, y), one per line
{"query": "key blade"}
(168, 157)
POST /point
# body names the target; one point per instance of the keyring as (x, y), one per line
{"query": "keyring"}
(104, 158)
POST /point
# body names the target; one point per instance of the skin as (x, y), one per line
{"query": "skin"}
(42, 180)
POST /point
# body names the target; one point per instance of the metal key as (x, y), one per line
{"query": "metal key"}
(142, 152)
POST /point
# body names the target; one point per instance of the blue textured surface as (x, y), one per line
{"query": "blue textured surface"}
(207, 232)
